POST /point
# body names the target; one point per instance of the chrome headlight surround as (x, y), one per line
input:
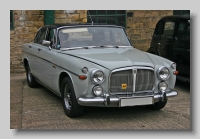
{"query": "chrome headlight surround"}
(162, 86)
(163, 73)
(97, 76)
(173, 66)
(97, 90)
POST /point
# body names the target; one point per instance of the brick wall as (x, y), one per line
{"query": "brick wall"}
(141, 25)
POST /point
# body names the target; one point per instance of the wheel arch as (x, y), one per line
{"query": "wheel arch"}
(61, 77)
(25, 62)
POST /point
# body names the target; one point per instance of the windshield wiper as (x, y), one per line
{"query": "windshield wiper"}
(111, 46)
(89, 47)
(75, 48)
(104, 46)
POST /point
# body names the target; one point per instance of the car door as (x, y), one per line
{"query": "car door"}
(35, 47)
(181, 48)
(163, 38)
(46, 55)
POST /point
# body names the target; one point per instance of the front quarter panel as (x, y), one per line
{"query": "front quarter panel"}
(159, 62)
(73, 67)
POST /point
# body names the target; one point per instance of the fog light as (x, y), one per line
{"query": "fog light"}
(97, 90)
(162, 86)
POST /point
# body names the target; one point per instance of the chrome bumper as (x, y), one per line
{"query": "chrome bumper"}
(114, 101)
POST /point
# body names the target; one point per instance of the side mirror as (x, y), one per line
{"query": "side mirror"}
(46, 43)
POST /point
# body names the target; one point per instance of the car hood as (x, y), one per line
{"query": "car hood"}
(113, 58)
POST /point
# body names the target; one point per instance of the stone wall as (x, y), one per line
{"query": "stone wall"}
(141, 25)
(68, 16)
(140, 28)
(26, 24)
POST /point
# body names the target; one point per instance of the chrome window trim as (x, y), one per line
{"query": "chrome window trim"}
(135, 68)
(75, 26)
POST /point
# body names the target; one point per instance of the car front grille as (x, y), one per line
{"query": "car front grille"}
(135, 80)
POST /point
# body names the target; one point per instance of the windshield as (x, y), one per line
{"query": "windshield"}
(92, 36)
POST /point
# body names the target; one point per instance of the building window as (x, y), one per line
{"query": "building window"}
(117, 17)
(11, 20)
(181, 12)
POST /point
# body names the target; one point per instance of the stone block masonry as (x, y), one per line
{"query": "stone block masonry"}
(26, 25)
(140, 27)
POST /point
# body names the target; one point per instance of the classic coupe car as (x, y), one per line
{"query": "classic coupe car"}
(171, 40)
(96, 65)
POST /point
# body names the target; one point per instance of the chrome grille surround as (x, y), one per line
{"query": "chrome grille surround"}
(137, 79)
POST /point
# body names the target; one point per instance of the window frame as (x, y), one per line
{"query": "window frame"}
(11, 20)
(169, 36)
(181, 12)
(38, 35)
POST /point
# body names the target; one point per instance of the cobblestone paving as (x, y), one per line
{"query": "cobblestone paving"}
(39, 108)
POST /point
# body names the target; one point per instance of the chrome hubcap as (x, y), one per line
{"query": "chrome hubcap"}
(67, 97)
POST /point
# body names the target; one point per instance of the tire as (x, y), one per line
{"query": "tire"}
(69, 102)
(30, 78)
(158, 105)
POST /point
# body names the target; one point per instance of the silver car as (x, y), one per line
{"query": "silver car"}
(96, 65)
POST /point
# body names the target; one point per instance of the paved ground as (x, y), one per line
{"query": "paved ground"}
(40, 109)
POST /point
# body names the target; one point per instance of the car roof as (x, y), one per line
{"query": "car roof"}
(59, 25)
(176, 17)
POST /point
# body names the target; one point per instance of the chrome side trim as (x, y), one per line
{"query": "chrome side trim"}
(48, 88)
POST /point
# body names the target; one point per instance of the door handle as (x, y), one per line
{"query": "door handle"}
(39, 49)
(53, 66)
(158, 43)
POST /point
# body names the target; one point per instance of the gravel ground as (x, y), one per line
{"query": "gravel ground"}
(39, 108)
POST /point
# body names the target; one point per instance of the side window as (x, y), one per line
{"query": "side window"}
(169, 30)
(183, 31)
(51, 37)
(40, 36)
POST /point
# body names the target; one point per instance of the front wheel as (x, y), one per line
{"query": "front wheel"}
(69, 102)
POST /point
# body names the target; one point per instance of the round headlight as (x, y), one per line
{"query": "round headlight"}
(97, 90)
(97, 76)
(162, 86)
(163, 73)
